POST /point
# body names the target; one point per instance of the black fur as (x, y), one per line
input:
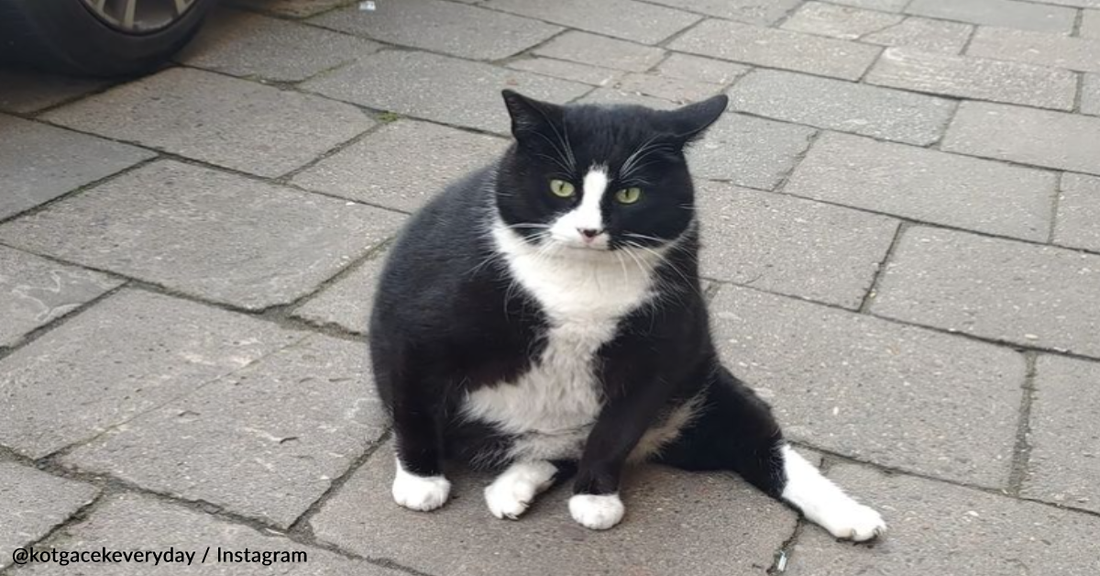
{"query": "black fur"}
(448, 319)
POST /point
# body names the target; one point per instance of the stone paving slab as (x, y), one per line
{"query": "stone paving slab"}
(149, 349)
(1078, 223)
(207, 233)
(617, 96)
(35, 291)
(927, 185)
(671, 89)
(970, 77)
(1026, 135)
(709, 70)
(924, 34)
(439, 26)
(40, 162)
(760, 12)
(1090, 23)
(899, 396)
(26, 91)
(1065, 444)
(937, 528)
(627, 19)
(224, 121)
(881, 5)
(1054, 50)
(264, 442)
(131, 522)
(601, 51)
(1028, 294)
(844, 106)
(34, 503)
(1007, 13)
(842, 22)
(256, 46)
(790, 245)
(348, 301)
(376, 168)
(748, 151)
(291, 8)
(566, 70)
(448, 90)
(1090, 94)
(777, 49)
(676, 523)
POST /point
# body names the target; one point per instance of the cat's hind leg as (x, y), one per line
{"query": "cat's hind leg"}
(735, 430)
(515, 489)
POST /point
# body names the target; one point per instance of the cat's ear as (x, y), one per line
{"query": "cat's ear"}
(689, 122)
(530, 116)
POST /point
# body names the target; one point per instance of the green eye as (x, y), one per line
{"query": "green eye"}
(561, 188)
(628, 195)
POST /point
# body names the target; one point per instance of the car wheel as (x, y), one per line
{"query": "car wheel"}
(97, 37)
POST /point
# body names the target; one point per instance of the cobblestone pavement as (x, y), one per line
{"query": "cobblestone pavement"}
(902, 213)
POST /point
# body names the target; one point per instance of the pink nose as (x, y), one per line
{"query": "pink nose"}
(589, 234)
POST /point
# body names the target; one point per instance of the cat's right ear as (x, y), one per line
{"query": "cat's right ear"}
(530, 116)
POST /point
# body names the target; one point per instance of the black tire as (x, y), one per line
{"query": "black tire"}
(65, 36)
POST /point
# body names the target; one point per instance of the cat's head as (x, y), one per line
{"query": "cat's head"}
(600, 178)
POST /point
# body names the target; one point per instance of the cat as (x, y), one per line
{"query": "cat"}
(543, 318)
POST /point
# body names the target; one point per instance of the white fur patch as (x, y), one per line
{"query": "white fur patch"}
(598, 512)
(423, 493)
(668, 430)
(587, 215)
(825, 504)
(514, 490)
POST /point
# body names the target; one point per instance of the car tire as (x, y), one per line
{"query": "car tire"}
(69, 36)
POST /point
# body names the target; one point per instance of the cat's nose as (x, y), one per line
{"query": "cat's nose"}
(589, 233)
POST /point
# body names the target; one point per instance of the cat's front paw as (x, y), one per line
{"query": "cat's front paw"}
(856, 522)
(508, 499)
(596, 511)
(423, 493)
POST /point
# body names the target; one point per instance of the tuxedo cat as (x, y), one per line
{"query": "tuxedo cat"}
(543, 318)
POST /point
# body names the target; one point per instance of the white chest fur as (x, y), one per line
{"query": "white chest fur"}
(552, 407)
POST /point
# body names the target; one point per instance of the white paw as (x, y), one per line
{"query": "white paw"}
(856, 522)
(509, 499)
(422, 493)
(598, 512)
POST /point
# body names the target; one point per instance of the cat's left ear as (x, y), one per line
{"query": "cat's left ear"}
(692, 120)
(530, 116)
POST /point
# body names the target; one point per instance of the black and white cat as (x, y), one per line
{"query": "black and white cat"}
(543, 317)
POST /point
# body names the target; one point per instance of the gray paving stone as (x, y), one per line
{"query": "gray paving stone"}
(671, 89)
(1033, 295)
(844, 106)
(41, 162)
(924, 34)
(600, 51)
(1078, 218)
(1090, 23)
(456, 29)
(346, 303)
(26, 91)
(626, 19)
(1065, 444)
(1052, 50)
(224, 121)
(789, 245)
(971, 77)
(937, 528)
(1026, 135)
(148, 349)
(748, 151)
(264, 442)
(761, 12)
(1074, 3)
(567, 70)
(255, 46)
(927, 185)
(35, 291)
(777, 49)
(881, 5)
(34, 503)
(128, 522)
(376, 168)
(842, 22)
(617, 96)
(676, 523)
(207, 233)
(1090, 94)
(291, 8)
(1007, 13)
(896, 395)
(688, 67)
(439, 88)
